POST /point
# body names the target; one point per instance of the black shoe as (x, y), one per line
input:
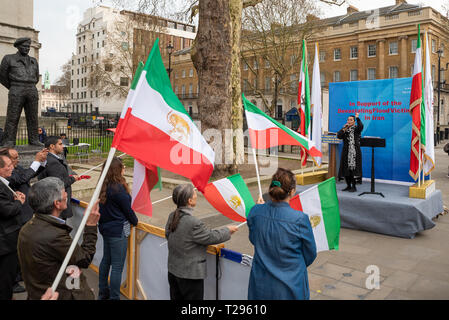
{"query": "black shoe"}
(347, 188)
(353, 189)
(18, 288)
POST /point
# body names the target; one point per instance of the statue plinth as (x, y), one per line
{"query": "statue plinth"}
(27, 154)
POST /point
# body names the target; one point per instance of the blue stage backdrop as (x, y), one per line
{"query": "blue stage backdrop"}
(383, 107)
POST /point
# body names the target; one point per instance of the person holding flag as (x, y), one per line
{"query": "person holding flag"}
(188, 238)
(115, 227)
(284, 245)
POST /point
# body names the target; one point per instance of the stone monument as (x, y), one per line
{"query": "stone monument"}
(19, 73)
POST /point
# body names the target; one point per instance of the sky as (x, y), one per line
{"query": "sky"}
(57, 21)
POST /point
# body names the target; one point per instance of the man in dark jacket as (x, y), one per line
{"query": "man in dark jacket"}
(11, 206)
(45, 240)
(21, 177)
(58, 167)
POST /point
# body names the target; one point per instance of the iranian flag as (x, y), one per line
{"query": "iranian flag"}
(159, 131)
(265, 132)
(429, 154)
(316, 104)
(320, 204)
(145, 179)
(304, 101)
(231, 197)
(416, 111)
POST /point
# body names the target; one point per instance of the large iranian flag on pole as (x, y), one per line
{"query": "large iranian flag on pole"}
(416, 102)
(316, 104)
(320, 204)
(265, 132)
(304, 100)
(158, 130)
(429, 154)
(231, 197)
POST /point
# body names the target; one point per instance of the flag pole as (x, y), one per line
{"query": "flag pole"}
(84, 220)
(257, 172)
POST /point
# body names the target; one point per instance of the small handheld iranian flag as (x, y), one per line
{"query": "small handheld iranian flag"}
(320, 203)
(265, 132)
(231, 197)
(304, 100)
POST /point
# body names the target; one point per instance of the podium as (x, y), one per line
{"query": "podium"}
(373, 142)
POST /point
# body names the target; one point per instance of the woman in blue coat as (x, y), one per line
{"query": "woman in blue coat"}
(284, 245)
(116, 218)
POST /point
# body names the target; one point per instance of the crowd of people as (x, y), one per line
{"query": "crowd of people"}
(35, 238)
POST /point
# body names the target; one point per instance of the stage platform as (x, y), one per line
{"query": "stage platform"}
(395, 215)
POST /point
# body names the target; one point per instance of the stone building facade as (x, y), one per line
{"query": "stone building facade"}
(16, 21)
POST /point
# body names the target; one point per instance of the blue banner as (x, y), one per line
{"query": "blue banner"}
(383, 107)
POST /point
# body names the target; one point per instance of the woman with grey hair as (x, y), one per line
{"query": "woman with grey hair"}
(188, 238)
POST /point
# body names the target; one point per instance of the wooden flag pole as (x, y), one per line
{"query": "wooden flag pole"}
(257, 172)
(84, 220)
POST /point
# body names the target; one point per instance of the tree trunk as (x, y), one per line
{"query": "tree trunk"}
(238, 151)
(212, 57)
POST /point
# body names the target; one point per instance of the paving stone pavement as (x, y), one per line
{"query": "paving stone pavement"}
(408, 268)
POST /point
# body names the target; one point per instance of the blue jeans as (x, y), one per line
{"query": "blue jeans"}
(114, 255)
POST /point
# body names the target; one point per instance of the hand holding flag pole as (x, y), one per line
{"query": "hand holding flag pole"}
(84, 220)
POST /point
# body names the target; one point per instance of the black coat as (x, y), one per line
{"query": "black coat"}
(20, 181)
(10, 220)
(344, 170)
(59, 168)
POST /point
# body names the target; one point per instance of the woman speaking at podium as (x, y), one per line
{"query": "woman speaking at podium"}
(351, 157)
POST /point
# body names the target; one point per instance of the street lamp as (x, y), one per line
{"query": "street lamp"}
(440, 52)
(170, 51)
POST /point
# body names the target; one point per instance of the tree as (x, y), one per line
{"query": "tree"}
(65, 79)
(271, 46)
(216, 57)
(113, 72)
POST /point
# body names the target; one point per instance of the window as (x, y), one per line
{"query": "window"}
(336, 76)
(433, 72)
(256, 64)
(392, 17)
(322, 56)
(125, 46)
(108, 67)
(267, 63)
(393, 47)
(414, 45)
(434, 46)
(394, 72)
(191, 90)
(354, 52)
(183, 90)
(371, 73)
(322, 78)
(245, 66)
(353, 75)
(292, 60)
(183, 73)
(337, 54)
(371, 50)
(191, 73)
(268, 84)
(124, 81)
(293, 82)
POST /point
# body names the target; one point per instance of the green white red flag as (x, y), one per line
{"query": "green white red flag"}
(304, 100)
(265, 132)
(416, 111)
(157, 130)
(231, 197)
(429, 154)
(316, 104)
(320, 204)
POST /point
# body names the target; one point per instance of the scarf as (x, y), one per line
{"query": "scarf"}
(351, 149)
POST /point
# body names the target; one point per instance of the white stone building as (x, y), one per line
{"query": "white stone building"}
(16, 21)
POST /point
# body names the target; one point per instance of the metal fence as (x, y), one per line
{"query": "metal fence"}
(98, 139)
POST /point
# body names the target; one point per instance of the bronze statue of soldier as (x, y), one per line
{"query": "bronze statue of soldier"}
(19, 73)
